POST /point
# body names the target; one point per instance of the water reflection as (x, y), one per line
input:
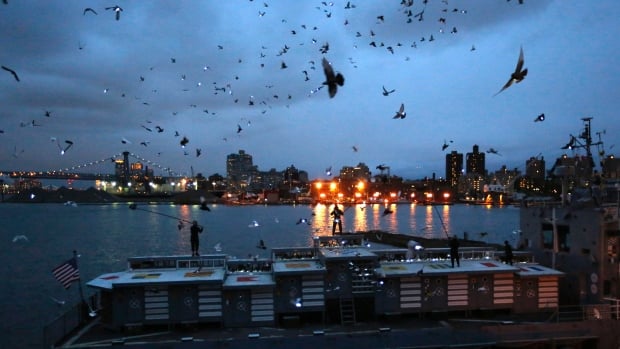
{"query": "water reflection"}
(359, 218)
(390, 212)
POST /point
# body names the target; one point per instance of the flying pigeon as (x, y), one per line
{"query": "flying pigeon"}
(493, 151)
(386, 92)
(518, 75)
(303, 220)
(17, 238)
(332, 80)
(12, 72)
(445, 145)
(184, 141)
(203, 204)
(117, 9)
(88, 9)
(400, 114)
(69, 144)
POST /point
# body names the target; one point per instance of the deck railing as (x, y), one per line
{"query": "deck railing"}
(65, 324)
(602, 311)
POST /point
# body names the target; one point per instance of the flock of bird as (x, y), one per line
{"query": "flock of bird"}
(331, 77)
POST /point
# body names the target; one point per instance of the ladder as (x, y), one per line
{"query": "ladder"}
(347, 311)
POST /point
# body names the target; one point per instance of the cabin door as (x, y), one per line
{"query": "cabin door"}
(237, 308)
(480, 291)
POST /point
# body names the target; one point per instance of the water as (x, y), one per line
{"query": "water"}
(105, 235)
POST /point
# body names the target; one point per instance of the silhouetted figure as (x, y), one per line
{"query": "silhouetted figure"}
(454, 252)
(337, 213)
(195, 229)
(508, 252)
(261, 245)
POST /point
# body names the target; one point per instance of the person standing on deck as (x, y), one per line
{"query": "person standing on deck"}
(454, 252)
(337, 213)
(508, 252)
(195, 229)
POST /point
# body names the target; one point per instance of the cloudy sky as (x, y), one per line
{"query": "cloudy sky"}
(241, 74)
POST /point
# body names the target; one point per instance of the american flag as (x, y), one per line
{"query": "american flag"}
(67, 272)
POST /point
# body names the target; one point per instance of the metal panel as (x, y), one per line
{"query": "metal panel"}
(209, 303)
(457, 290)
(410, 293)
(262, 307)
(548, 292)
(156, 303)
(503, 289)
(312, 291)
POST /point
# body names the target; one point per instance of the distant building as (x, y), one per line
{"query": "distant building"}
(359, 172)
(535, 168)
(240, 170)
(475, 162)
(454, 168)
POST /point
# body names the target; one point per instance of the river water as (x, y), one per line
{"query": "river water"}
(105, 235)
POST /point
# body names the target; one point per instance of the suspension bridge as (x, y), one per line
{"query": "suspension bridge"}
(80, 171)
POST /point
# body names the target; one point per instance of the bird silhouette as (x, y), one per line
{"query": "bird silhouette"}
(303, 220)
(88, 9)
(400, 114)
(12, 72)
(332, 80)
(493, 151)
(518, 75)
(69, 145)
(540, 118)
(386, 92)
(17, 238)
(445, 145)
(117, 9)
(184, 141)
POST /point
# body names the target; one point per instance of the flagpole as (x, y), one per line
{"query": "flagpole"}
(75, 256)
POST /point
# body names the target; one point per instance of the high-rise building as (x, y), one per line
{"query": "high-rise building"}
(454, 168)
(474, 163)
(239, 169)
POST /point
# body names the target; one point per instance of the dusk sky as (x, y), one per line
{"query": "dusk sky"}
(193, 69)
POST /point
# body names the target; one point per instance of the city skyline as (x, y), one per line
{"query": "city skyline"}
(200, 85)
